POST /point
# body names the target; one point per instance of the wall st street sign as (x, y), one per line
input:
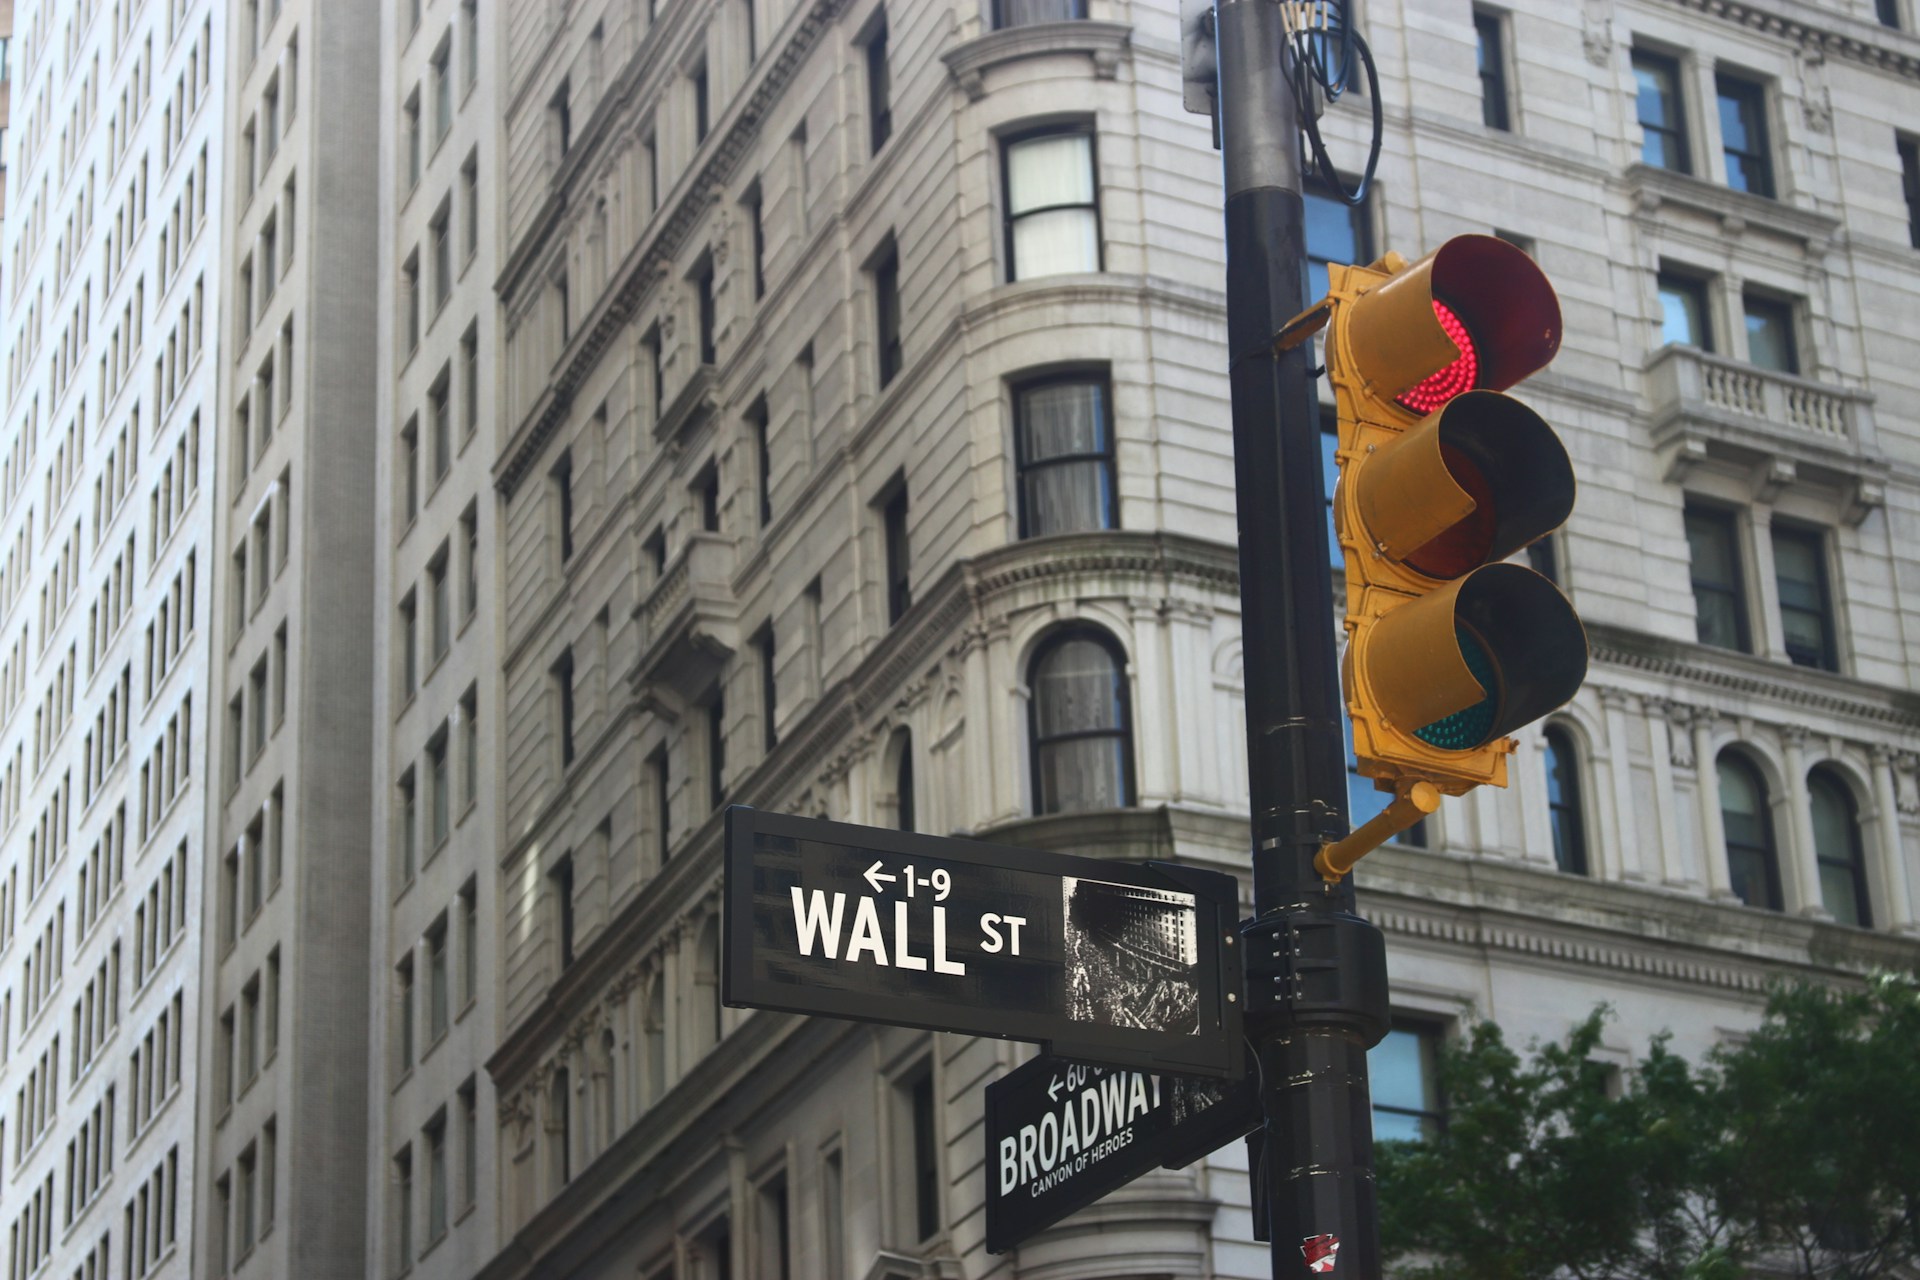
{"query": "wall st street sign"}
(1121, 963)
(1060, 1135)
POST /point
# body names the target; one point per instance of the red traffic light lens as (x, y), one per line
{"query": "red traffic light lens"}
(1456, 378)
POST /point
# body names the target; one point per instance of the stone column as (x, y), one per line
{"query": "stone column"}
(1156, 730)
(977, 746)
(1007, 723)
(1661, 747)
(1893, 854)
(1626, 830)
(1190, 689)
(1799, 864)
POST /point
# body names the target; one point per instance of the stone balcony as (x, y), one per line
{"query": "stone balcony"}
(1776, 429)
(690, 622)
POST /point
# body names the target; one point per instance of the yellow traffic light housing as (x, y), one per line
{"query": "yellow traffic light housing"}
(1441, 479)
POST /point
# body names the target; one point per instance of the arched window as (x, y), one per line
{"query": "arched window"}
(1063, 447)
(1753, 868)
(1079, 724)
(903, 810)
(1563, 803)
(656, 1036)
(559, 1129)
(1836, 846)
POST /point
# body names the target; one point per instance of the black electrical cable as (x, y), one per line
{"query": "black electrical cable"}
(1322, 60)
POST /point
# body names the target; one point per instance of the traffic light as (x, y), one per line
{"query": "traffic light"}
(1441, 479)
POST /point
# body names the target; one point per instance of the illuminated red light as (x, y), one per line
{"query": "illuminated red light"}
(1456, 378)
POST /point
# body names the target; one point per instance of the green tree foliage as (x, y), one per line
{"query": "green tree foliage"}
(1796, 1149)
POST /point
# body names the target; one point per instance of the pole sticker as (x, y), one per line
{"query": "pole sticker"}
(1321, 1252)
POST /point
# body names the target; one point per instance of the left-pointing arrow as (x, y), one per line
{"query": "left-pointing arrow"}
(874, 875)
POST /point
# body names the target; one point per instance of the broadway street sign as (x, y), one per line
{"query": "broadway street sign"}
(1112, 962)
(1062, 1134)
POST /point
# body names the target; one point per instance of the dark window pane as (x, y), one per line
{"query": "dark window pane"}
(1743, 132)
(1836, 843)
(1770, 342)
(1018, 13)
(1800, 574)
(1683, 312)
(1657, 104)
(1079, 725)
(1405, 1085)
(1335, 233)
(1888, 11)
(1910, 186)
(1752, 870)
(1719, 603)
(879, 91)
(1065, 455)
(1493, 71)
(1563, 804)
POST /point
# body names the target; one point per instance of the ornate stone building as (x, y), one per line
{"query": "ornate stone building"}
(862, 451)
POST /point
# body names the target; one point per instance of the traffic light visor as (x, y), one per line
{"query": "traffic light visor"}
(1476, 313)
(1470, 483)
(1476, 659)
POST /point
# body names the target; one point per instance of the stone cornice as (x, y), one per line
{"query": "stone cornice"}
(1865, 43)
(1105, 42)
(1721, 669)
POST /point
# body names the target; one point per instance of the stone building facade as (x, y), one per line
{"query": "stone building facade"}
(863, 452)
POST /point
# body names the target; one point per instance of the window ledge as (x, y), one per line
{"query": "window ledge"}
(1773, 429)
(1652, 188)
(1105, 42)
(690, 621)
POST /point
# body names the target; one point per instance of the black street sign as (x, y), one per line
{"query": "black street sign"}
(1062, 1134)
(1121, 963)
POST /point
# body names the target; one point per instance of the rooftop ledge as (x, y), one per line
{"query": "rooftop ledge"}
(1105, 42)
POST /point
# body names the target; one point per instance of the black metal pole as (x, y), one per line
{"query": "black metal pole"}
(1317, 990)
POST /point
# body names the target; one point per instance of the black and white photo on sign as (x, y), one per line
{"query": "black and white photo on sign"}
(1132, 956)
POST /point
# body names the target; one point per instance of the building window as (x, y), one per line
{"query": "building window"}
(1063, 447)
(763, 458)
(763, 647)
(562, 675)
(562, 480)
(916, 1154)
(1743, 133)
(1684, 317)
(1719, 594)
(703, 290)
(1563, 803)
(403, 1208)
(442, 77)
(708, 493)
(1336, 232)
(1543, 557)
(438, 990)
(403, 1012)
(1888, 11)
(702, 121)
(408, 819)
(1405, 1083)
(1806, 609)
(879, 87)
(440, 602)
(776, 1230)
(1079, 724)
(903, 804)
(560, 885)
(716, 750)
(1910, 186)
(1836, 846)
(561, 110)
(1753, 869)
(886, 307)
(409, 646)
(440, 240)
(1019, 13)
(439, 791)
(1053, 211)
(435, 1137)
(1663, 123)
(755, 205)
(1770, 340)
(1488, 32)
(893, 522)
(662, 804)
